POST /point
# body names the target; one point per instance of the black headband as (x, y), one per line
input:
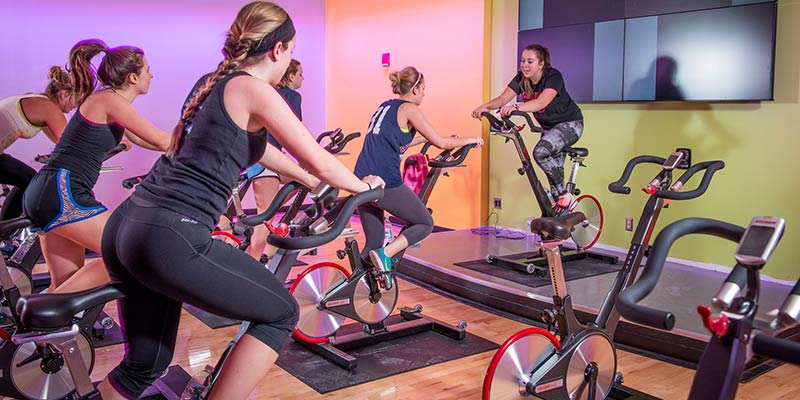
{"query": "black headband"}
(283, 33)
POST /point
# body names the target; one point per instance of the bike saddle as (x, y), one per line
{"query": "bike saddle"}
(558, 228)
(13, 224)
(577, 151)
(53, 311)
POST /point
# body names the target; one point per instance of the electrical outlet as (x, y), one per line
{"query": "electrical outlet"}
(628, 224)
(498, 203)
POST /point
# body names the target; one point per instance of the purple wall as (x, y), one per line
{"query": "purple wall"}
(182, 40)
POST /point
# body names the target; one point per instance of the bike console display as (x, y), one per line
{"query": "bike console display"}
(673, 160)
(759, 240)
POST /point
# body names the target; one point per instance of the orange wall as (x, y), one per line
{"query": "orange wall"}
(444, 39)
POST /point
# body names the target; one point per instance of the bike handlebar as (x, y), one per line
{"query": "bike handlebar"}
(709, 168)
(340, 215)
(275, 205)
(619, 185)
(777, 348)
(444, 160)
(338, 140)
(527, 116)
(627, 302)
(44, 158)
(129, 183)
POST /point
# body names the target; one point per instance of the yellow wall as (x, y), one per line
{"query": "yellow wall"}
(757, 141)
(443, 40)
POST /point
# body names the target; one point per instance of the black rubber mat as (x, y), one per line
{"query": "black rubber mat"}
(576, 269)
(379, 360)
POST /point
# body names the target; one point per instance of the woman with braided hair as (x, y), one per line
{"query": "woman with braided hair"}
(59, 199)
(157, 244)
(22, 117)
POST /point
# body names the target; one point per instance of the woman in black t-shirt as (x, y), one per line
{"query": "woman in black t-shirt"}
(543, 93)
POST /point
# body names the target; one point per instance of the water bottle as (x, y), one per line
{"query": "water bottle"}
(528, 222)
(387, 230)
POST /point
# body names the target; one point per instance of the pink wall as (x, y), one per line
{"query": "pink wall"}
(445, 40)
(181, 39)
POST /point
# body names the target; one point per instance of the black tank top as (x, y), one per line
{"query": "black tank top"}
(82, 147)
(198, 179)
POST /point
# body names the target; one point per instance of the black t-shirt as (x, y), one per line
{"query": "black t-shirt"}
(197, 180)
(561, 109)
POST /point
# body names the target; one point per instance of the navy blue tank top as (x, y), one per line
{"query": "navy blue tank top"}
(82, 147)
(384, 145)
(198, 179)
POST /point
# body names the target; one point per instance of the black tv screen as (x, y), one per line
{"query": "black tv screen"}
(709, 50)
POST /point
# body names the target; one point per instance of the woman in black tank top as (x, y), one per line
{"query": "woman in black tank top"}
(158, 244)
(59, 199)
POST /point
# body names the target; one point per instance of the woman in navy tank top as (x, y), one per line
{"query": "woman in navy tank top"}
(390, 133)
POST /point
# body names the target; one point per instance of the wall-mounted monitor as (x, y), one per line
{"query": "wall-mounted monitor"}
(628, 50)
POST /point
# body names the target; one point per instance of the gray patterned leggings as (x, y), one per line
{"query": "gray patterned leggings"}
(550, 156)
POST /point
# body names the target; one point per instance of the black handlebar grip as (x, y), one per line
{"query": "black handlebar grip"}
(527, 116)
(619, 185)
(275, 205)
(114, 151)
(340, 216)
(493, 121)
(776, 348)
(425, 147)
(627, 302)
(458, 157)
(129, 183)
(709, 168)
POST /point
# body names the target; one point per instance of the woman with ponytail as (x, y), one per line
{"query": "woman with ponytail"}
(59, 199)
(22, 117)
(544, 94)
(158, 243)
(390, 133)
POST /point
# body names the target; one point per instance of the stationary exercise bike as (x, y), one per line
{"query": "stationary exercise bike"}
(32, 370)
(736, 334)
(581, 362)
(584, 234)
(328, 294)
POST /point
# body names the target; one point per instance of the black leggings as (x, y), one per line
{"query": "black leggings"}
(403, 203)
(164, 259)
(18, 174)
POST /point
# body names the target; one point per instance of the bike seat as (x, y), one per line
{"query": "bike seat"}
(13, 224)
(53, 311)
(558, 228)
(577, 151)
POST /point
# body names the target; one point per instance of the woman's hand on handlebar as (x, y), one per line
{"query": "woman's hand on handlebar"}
(478, 141)
(507, 109)
(476, 113)
(373, 182)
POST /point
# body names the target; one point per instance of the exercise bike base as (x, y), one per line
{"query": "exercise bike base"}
(537, 265)
(413, 322)
(622, 392)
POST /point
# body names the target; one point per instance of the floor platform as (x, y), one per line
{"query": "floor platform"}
(682, 287)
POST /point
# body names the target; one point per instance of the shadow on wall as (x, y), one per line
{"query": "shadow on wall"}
(664, 126)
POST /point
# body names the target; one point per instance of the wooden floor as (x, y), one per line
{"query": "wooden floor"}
(199, 345)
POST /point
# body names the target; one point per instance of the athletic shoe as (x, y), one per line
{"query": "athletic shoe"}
(384, 264)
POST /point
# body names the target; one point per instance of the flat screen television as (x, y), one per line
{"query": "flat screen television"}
(617, 50)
